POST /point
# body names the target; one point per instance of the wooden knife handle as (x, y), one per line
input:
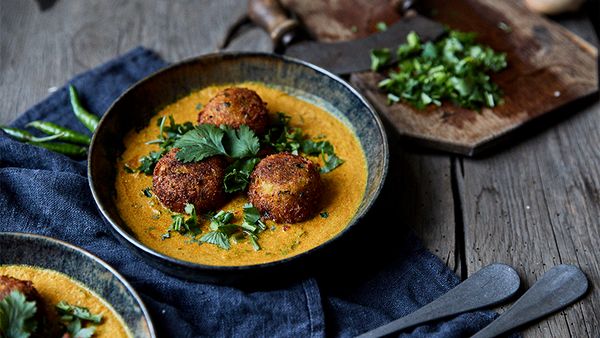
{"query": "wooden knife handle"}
(269, 15)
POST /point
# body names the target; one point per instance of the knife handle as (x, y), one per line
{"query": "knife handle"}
(269, 15)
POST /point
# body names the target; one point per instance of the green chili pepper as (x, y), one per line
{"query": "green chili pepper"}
(89, 120)
(68, 135)
(62, 148)
(25, 136)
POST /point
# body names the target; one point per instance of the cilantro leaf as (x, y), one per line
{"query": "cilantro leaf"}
(204, 141)
(241, 142)
(252, 216)
(168, 134)
(217, 238)
(182, 225)
(237, 175)
(17, 316)
(380, 57)
(70, 312)
(208, 140)
(76, 330)
(331, 161)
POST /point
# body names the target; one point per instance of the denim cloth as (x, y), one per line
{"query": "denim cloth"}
(47, 193)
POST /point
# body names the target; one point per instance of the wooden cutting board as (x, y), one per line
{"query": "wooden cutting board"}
(549, 67)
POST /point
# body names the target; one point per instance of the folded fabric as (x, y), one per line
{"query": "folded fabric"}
(47, 193)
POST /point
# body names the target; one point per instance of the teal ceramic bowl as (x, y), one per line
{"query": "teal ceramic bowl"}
(82, 266)
(133, 110)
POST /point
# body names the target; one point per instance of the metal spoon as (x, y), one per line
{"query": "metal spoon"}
(560, 286)
(488, 286)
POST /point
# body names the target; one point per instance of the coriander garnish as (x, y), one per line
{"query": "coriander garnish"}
(167, 136)
(75, 317)
(283, 137)
(454, 68)
(182, 225)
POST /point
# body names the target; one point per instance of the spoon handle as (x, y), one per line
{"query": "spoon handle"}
(560, 286)
(490, 285)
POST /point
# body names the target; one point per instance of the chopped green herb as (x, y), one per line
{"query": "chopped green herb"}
(199, 106)
(354, 29)
(182, 225)
(69, 312)
(283, 137)
(454, 68)
(168, 134)
(17, 316)
(147, 192)
(128, 169)
(222, 229)
(324, 214)
(381, 26)
(217, 238)
(75, 317)
(380, 57)
(237, 175)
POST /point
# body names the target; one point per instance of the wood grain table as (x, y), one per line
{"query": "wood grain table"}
(532, 205)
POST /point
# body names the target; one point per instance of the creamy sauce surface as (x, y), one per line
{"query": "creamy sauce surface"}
(343, 187)
(54, 286)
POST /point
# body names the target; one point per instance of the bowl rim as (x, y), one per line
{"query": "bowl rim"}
(236, 268)
(98, 260)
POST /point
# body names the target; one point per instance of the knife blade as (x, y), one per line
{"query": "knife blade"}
(343, 57)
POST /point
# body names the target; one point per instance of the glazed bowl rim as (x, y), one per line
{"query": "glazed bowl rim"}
(96, 259)
(217, 56)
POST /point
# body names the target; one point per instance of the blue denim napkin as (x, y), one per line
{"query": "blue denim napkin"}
(46, 193)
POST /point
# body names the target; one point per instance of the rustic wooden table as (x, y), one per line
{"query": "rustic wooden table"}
(533, 205)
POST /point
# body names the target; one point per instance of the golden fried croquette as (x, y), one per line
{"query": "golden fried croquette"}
(9, 284)
(286, 188)
(200, 183)
(235, 107)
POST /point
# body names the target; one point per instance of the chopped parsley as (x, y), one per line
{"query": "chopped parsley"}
(222, 229)
(381, 26)
(167, 136)
(17, 316)
(324, 214)
(75, 318)
(183, 225)
(147, 192)
(285, 138)
(237, 175)
(455, 68)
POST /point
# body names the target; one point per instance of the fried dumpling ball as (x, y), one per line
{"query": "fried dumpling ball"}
(235, 107)
(286, 188)
(9, 284)
(200, 183)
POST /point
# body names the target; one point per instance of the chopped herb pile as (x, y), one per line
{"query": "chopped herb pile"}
(167, 136)
(285, 138)
(17, 316)
(455, 68)
(75, 319)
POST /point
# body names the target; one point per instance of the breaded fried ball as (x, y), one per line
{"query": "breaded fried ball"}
(286, 188)
(235, 107)
(9, 284)
(200, 183)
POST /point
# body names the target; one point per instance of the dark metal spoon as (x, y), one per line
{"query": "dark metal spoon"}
(560, 286)
(488, 286)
